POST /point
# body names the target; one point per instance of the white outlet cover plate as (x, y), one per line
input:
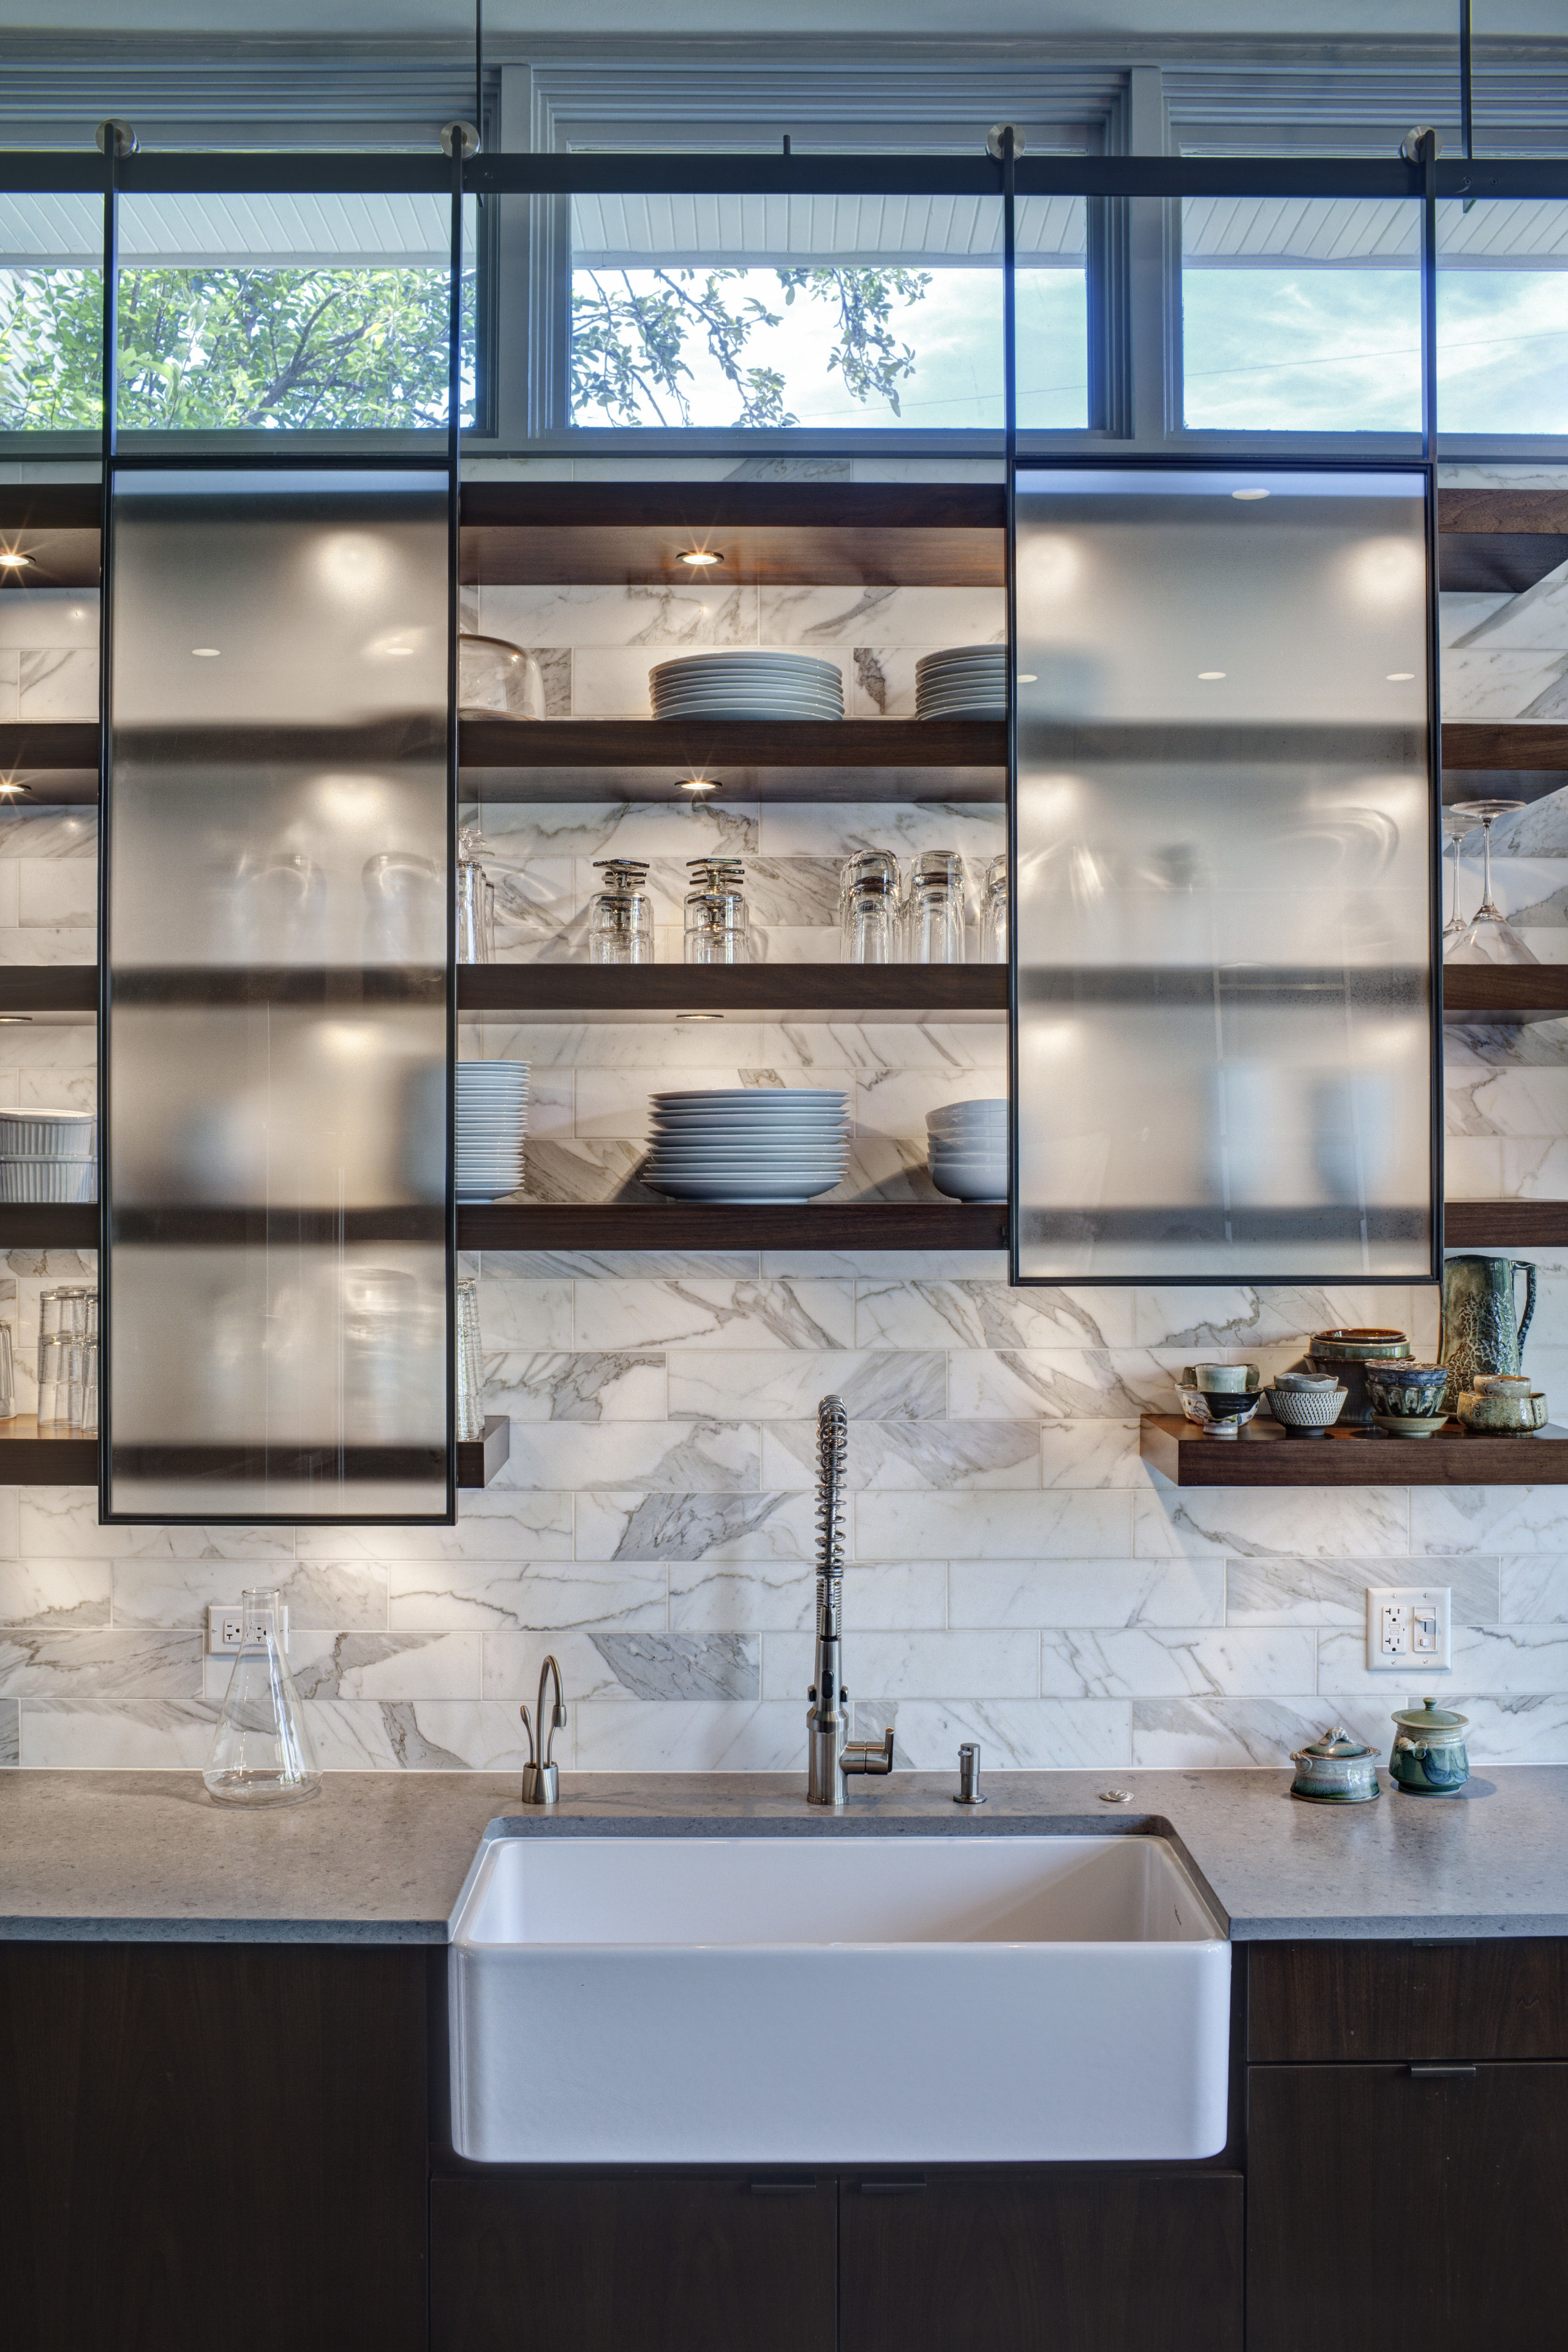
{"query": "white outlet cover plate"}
(1409, 1628)
(224, 1619)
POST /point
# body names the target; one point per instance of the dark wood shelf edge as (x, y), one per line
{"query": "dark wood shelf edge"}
(1509, 1225)
(1263, 1455)
(30, 1460)
(693, 1225)
(741, 987)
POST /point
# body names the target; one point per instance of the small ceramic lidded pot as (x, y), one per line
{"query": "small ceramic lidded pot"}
(1337, 1770)
(1429, 1757)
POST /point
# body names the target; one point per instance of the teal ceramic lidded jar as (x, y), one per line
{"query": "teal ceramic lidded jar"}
(1429, 1757)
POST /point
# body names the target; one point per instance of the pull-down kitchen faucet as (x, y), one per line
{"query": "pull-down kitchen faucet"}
(829, 1756)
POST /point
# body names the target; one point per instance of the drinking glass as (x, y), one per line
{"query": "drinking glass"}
(7, 1374)
(994, 913)
(54, 1379)
(261, 1752)
(476, 900)
(470, 1362)
(869, 908)
(81, 1408)
(403, 909)
(1489, 937)
(718, 928)
(933, 914)
(1455, 827)
(620, 916)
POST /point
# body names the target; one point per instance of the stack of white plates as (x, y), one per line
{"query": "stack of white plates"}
(48, 1155)
(964, 682)
(968, 1150)
(747, 686)
(492, 1118)
(748, 1143)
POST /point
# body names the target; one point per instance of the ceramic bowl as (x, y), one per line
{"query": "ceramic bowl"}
(1410, 1424)
(1405, 1392)
(1490, 1415)
(1305, 1380)
(1502, 1383)
(1360, 1345)
(1306, 1413)
(1222, 1416)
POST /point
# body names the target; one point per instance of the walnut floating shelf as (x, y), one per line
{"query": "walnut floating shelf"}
(703, 1226)
(29, 1458)
(1262, 1454)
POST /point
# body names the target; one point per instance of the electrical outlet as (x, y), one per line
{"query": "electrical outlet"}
(1408, 1625)
(226, 1624)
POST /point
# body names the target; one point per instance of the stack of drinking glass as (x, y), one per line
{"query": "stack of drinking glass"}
(470, 1362)
(48, 1155)
(67, 1358)
(748, 1143)
(924, 924)
(967, 1146)
(492, 1120)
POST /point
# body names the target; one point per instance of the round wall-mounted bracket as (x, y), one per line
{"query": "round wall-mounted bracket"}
(1410, 146)
(459, 139)
(994, 140)
(114, 138)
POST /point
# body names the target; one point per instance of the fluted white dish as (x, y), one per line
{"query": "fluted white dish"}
(67, 1134)
(50, 1178)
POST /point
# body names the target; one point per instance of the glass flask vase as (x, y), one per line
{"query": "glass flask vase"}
(261, 1752)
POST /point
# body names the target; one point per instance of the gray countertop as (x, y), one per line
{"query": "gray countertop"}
(379, 1857)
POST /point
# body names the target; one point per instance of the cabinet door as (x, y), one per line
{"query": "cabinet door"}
(1049, 2262)
(1388, 2203)
(652, 2262)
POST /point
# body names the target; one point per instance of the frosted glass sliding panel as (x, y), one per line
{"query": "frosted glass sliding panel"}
(276, 836)
(1223, 930)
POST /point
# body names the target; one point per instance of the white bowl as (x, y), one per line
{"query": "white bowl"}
(48, 1179)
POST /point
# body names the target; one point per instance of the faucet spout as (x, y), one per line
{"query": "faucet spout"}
(542, 1775)
(830, 1754)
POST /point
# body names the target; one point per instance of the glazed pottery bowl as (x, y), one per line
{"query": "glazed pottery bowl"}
(1221, 1415)
(1491, 1415)
(1502, 1383)
(1410, 1424)
(1305, 1380)
(1306, 1413)
(1346, 1354)
(1360, 1345)
(1406, 1391)
(1225, 1380)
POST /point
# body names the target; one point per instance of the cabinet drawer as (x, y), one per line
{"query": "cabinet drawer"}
(1506, 1997)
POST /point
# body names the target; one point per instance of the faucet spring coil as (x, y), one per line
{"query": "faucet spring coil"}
(832, 1459)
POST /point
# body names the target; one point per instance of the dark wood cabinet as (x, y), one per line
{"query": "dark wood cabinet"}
(647, 2263)
(1504, 1996)
(208, 2145)
(1407, 2203)
(1052, 2261)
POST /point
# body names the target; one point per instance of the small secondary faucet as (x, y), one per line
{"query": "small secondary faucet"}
(542, 1774)
(830, 1757)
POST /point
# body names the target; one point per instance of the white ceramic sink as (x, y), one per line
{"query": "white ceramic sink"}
(834, 1998)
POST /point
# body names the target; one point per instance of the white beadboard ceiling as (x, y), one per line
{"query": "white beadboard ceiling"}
(1368, 233)
(260, 231)
(633, 232)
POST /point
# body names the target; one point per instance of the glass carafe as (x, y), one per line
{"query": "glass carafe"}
(620, 916)
(475, 901)
(934, 910)
(718, 929)
(994, 913)
(261, 1752)
(869, 908)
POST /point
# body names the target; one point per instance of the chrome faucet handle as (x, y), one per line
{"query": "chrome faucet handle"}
(869, 1755)
(542, 1780)
(968, 1774)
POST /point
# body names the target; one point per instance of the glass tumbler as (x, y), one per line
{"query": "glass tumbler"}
(933, 909)
(620, 916)
(718, 928)
(81, 1410)
(7, 1374)
(54, 1379)
(470, 1362)
(869, 908)
(261, 1752)
(994, 913)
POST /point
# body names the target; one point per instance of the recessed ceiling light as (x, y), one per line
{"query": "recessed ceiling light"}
(13, 560)
(1399, 677)
(206, 652)
(700, 1016)
(1211, 673)
(396, 652)
(8, 785)
(699, 557)
(699, 784)
(1027, 678)
(15, 1020)
(1249, 494)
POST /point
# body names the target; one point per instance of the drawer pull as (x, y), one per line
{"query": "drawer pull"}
(800, 2188)
(1440, 2074)
(904, 2188)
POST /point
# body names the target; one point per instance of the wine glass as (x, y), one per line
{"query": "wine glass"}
(1488, 937)
(1455, 827)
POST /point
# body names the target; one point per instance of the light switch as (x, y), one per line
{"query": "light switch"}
(1408, 1625)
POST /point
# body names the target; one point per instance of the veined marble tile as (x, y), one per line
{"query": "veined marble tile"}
(44, 618)
(975, 829)
(669, 1667)
(1472, 1168)
(1090, 1454)
(1533, 1590)
(1243, 1319)
(895, 1102)
(604, 1387)
(1487, 1519)
(892, 1266)
(38, 1089)
(43, 1521)
(326, 1596)
(1332, 1592)
(1529, 1102)
(59, 682)
(1540, 829)
(624, 1265)
(516, 1314)
(145, 1734)
(1044, 1592)
(1061, 1383)
(67, 946)
(991, 1526)
(1480, 681)
(90, 1664)
(817, 619)
(500, 1596)
(1157, 1662)
(1534, 621)
(665, 619)
(1534, 1170)
(10, 1731)
(49, 832)
(420, 1735)
(921, 1312)
(976, 1050)
(1502, 475)
(969, 1665)
(1203, 1734)
(744, 1315)
(496, 1524)
(1294, 1522)
(778, 1384)
(913, 1455)
(683, 1456)
(54, 1594)
(1459, 612)
(1038, 1735)
(55, 892)
(626, 828)
(885, 681)
(379, 1665)
(779, 1597)
(649, 1527)
(690, 1736)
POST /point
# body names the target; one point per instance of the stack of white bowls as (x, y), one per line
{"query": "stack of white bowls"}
(492, 1120)
(748, 1143)
(48, 1155)
(967, 1146)
(964, 682)
(747, 686)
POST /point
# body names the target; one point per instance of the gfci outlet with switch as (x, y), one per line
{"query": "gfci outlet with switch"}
(1408, 1625)
(226, 1624)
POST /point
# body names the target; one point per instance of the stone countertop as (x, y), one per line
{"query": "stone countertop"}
(380, 1857)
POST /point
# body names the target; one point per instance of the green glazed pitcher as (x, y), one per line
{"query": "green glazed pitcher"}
(1480, 1333)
